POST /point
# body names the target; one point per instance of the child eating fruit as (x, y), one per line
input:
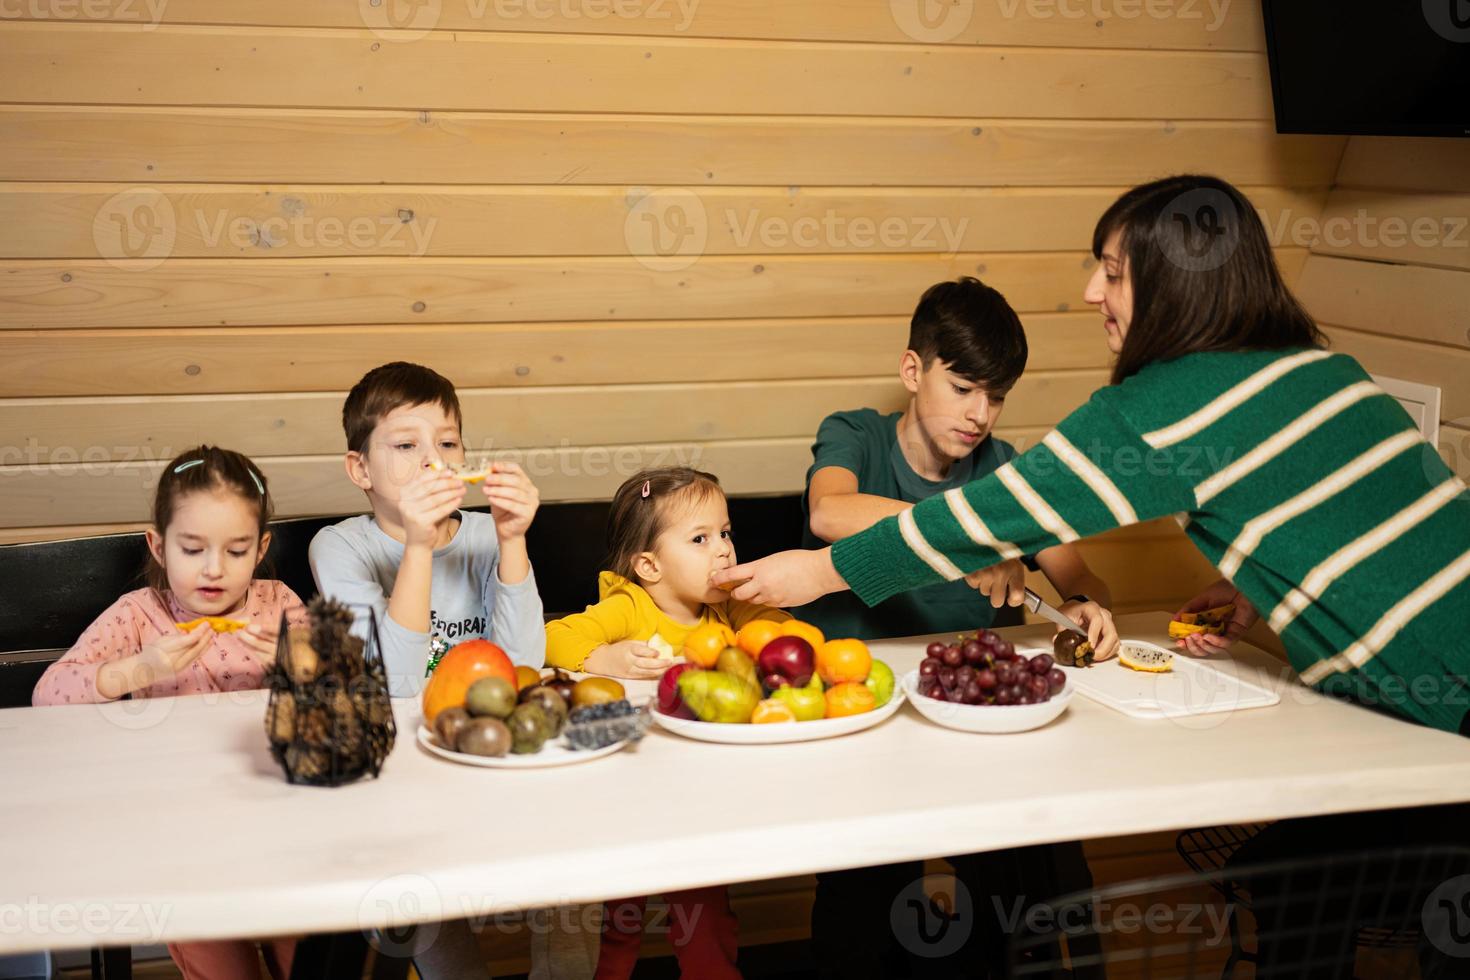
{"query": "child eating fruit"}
(203, 625)
(668, 531)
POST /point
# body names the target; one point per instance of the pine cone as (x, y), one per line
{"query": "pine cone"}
(305, 664)
(316, 726)
(281, 725)
(349, 730)
(331, 630)
(307, 763)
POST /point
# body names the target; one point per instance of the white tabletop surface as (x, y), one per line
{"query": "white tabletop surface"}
(165, 820)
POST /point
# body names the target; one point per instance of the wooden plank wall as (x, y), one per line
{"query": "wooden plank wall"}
(629, 230)
(1389, 274)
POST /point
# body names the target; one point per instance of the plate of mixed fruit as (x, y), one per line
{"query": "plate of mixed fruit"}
(483, 711)
(771, 683)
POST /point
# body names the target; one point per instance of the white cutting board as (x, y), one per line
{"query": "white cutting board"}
(1193, 687)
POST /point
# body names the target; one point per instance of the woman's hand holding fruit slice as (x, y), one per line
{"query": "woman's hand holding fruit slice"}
(1236, 621)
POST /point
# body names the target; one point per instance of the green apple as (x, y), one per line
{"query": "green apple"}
(807, 703)
(880, 682)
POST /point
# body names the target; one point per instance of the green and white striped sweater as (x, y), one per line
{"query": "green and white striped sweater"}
(1299, 478)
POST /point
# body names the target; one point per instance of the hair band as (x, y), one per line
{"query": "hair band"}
(258, 485)
(188, 464)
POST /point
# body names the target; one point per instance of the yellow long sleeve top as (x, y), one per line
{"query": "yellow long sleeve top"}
(625, 611)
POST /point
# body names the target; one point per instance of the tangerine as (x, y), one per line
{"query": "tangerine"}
(808, 632)
(703, 645)
(849, 698)
(770, 710)
(754, 636)
(844, 661)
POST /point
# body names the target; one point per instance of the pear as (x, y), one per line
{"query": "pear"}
(807, 703)
(718, 697)
(737, 663)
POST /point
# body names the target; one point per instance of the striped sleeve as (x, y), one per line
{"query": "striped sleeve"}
(1092, 473)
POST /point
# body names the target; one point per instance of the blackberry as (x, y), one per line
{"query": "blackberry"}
(597, 726)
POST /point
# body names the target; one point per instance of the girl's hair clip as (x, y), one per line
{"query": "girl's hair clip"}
(647, 488)
(188, 464)
(258, 485)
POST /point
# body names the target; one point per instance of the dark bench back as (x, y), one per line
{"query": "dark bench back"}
(53, 590)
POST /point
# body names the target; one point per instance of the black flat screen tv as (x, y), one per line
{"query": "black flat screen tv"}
(1370, 67)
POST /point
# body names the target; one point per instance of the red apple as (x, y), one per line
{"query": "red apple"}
(789, 658)
(669, 701)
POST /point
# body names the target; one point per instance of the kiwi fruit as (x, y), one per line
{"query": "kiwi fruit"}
(552, 704)
(529, 729)
(490, 697)
(449, 724)
(483, 736)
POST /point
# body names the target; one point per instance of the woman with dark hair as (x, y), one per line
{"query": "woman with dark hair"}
(1302, 481)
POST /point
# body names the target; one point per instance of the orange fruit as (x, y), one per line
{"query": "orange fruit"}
(843, 661)
(808, 632)
(754, 636)
(703, 645)
(527, 677)
(850, 698)
(770, 710)
(458, 669)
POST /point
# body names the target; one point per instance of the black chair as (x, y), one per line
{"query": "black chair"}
(1304, 922)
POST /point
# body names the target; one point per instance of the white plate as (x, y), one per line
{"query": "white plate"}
(987, 719)
(1193, 687)
(553, 753)
(779, 732)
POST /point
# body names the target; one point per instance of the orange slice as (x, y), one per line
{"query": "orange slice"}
(468, 472)
(220, 624)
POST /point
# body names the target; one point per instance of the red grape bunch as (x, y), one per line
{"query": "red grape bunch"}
(985, 669)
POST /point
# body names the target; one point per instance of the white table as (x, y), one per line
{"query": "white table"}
(168, 819)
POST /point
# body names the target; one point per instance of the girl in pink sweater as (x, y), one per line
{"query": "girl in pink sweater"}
(210, 516)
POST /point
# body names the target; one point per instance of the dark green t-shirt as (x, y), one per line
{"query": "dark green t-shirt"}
(866, 444)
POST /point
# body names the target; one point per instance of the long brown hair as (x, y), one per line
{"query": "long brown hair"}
(1204, 277)
(641, 508)
(203, 469)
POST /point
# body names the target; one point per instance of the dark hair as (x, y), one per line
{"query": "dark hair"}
(970, 328)
(636, 518)
(204, 469)
(1203, 275)
(389, 387)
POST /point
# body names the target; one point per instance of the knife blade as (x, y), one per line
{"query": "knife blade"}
(1041, 607)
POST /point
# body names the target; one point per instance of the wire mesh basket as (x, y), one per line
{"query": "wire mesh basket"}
(329, 719)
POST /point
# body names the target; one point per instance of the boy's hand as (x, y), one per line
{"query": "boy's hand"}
(426, 501)
(260, 641)
(1004, 584)
(513, 500)
(630, 658)
(1101, 632)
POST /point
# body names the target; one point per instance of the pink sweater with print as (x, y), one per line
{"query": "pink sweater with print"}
(139, 618)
